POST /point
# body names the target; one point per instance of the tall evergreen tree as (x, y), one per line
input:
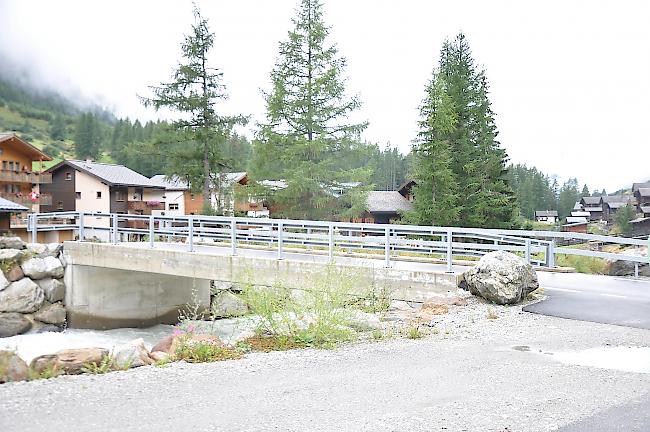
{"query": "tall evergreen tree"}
(437, 191)
(194, 92)
(585, 191)
(307, 133)
(569, 194)
(87, 138)
(467, 155)
(58, 127)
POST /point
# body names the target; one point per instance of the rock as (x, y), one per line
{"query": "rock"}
(399, 305)
(362, 321)
(52, 250)
(54, 289)
(164, 345)
(626, 268)
(190, 339)
(39, 268)
(51, 314)
(51, 328)
(21, 296)
(70, 361)
(12, 324)
(226, 304)
(132, 354)
(12, 367)
(11, 243)
(15, 273)
(10, 254)
(4, 283)
(159, 356)
(502, 278)
(35, 248)
(218, 285)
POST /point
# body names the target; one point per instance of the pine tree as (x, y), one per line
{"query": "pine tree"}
(194, 92)
(623, 217)
(307, 135)
(87, 138)
(585, 191)
(58, 128)
(569, 194)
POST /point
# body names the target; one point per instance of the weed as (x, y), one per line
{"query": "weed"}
(193, 351)
(414, 332)
(106, 365)
(378, 334)
(492, 314)
(50, 371)
(272, 343)
(162, 362)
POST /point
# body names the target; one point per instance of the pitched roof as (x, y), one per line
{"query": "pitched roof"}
(111, 174)
(387, 202)
(644, 191)
(546, 213)
(645, 209)
(614, 199)
(176, 183)
(589, 200)
(10, 206)
(576, 220)
(637, 186)
(593, 209)
(577, 206)
(580, 214)
(34, 152)
(616, 204)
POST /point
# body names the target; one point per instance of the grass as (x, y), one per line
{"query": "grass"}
(193, 351)
(105, 366)
(414, 332)
(50, 371)
(583, 264)
(261, 343)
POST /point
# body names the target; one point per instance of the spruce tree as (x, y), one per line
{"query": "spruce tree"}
(437, 191)
(471, 159)
(307, 134)
(195, 90)
(87, 138)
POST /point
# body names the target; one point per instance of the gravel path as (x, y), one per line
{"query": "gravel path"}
(467, 377)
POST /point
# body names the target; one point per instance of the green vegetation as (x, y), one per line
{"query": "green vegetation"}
(622, 219)
(414, 332)
(459, 165)
(583, 264)
(202, 351)
(105, 366)
(307, 138)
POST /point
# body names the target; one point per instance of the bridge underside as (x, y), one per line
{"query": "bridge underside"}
(133, 285)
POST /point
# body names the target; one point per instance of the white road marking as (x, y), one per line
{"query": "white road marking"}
(564, 290)
(614, 295)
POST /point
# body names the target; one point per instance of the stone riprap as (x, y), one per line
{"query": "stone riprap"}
(502, 278)
(31, 285)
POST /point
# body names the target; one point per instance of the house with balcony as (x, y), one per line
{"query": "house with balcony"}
(21, 176)
(101, 187)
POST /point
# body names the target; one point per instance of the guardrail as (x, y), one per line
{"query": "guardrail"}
(386, 242)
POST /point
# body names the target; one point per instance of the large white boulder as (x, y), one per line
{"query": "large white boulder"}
(4, 283)
(502, 278)
(54, 289)
(51, 314)
(226, 304)
(39, 268)
(10, 254)
(21, 296)
(11, 243)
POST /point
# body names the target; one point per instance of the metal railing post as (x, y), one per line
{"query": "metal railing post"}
(330, 242)
(449, 250)
(528, 250)
(81, 226)
(201, 227)
(551, 254)
(280, 240)
(33, 218)
(387, 248)
(233, 238)
(190, 234)
(115, 222)
(151, 227)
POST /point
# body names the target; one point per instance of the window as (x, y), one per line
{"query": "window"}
(99, 194)
(173, 206)
(68, 176)
(11, 165)
(59, 205)
(17, 166)
(4, 165)
(78, 195)
(120, 195)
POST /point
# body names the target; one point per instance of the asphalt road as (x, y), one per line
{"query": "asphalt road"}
(601, 299)
(633, 416)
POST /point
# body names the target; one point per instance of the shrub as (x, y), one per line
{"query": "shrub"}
(193, 351)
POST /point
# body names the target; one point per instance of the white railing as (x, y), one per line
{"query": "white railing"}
(387, 242)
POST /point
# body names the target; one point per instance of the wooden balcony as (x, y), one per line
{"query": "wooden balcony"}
(25, 200)
(25, 177)
(145, 206)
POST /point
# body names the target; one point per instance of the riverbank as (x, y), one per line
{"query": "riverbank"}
(488, 368)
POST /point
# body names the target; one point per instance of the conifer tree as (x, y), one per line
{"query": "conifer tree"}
(307, 133)
(474, 162)
(194, 92)
(87, 138)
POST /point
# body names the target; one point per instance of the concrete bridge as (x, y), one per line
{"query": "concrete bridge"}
(139, 270)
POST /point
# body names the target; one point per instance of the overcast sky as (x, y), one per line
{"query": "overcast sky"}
(569, 79)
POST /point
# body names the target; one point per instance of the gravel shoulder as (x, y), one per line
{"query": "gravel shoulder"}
(465, 376)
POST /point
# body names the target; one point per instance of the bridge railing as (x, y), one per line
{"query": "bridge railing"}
(387, 242)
